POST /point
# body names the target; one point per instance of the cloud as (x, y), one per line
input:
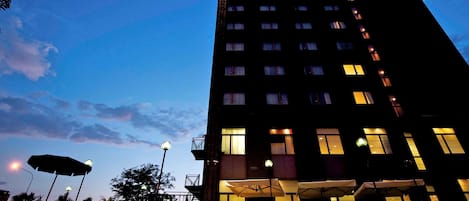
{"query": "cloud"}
(96, 123)
(21, 55)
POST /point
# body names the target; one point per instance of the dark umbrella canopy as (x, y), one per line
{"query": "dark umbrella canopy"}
(61, 165)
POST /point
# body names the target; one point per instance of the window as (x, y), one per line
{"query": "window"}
(234, 46)
(353, 69)
(374, 54)
(313, 70)
(415, 152)
(384, 78)
(274, 70)
(271, 47)
(362, 97)
(302, 8)
(308, 46)
(235, 26)
(277, 99)
(331, 8)
(337, 25)
(356, 14)
(365, 34)
(344, 45)
(396, 106)
(267, 8)
(303, 25)
(269, 25)
(233, 141)
(464, 184)
(448, 140)
(329, 141)
(235, 8)
(281, 141)
(431, 193)
(377, 140)
(320, 98)
(233, 99)
(234, 71)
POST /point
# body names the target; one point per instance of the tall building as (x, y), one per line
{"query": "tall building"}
(335, 100)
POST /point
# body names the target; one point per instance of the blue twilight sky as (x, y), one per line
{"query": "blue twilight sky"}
(110, 80)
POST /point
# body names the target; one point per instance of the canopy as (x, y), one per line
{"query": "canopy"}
(61, 165)
(388, 187)
(327, 188)
(256, 187)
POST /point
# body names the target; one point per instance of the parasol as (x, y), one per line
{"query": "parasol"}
(58, 165)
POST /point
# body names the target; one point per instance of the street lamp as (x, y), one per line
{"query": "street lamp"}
(16, 166)
(268, 164)
(67, 191)
(165, 146)
(89, 163)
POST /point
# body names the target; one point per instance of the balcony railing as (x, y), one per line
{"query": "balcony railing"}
(197, 148)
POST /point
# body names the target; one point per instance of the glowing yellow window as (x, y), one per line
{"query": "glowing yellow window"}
(378, 142)
(329, 141)
(362, 97)
(233, 141)
(448, 140)
(281, 141)
(415, 152)
(464, 184)
(353, 69)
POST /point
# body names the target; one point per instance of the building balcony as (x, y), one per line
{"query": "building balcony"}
(197, 148)
(192, 184)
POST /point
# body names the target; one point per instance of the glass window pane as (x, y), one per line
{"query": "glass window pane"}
(453, 144)
(238, 144)
(323, 144)
(374, 143)
(443, 144)
(289, 145)
(335, 145)
(277, 148)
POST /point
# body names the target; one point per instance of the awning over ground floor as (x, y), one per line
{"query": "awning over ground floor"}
(327, 188)
(256, 187)
(388, 187)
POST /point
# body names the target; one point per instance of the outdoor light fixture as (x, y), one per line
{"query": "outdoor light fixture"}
(165, 146)
(15, 166)
(361, 142)
(67, 191)
(268, 164)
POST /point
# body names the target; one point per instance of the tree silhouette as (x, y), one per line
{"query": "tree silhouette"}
(139, 183)
(26, 197)
(5, 4)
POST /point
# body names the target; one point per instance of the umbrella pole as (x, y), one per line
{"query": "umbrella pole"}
(51, 186)
(78, 193)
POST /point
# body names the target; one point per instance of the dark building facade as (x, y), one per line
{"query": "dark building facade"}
(335, 100)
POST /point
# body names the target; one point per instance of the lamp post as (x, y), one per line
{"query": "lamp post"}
(362, 145)
(89, 163)
(268, 164)
(165, 146)
(16, 166)
(67, 191)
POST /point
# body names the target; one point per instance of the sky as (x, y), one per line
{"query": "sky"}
(110, 81)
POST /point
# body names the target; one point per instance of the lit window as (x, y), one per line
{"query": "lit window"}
(308, 46)
(314, 70)
(337, 25)
(281, 141)
(353, 69)
(303, 25)
(271, 47)
(431, 193)
(448, 140)
(267, 8)
(233, 99)
(365, 34)
(320, 98)
(234, 46)
(269, 25)
(464, 184)
(415, 152)
(329, 141)
(233, 141)
(356, 14)
(331, 8)
(235, 26)
(384, 78)
(277, 99)
(396, 106)
(274, 70)
(378, 141)
(362, 97)
(301, 8)
(344, 45)
(235, 8)
(374, 54)
(234, 71)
